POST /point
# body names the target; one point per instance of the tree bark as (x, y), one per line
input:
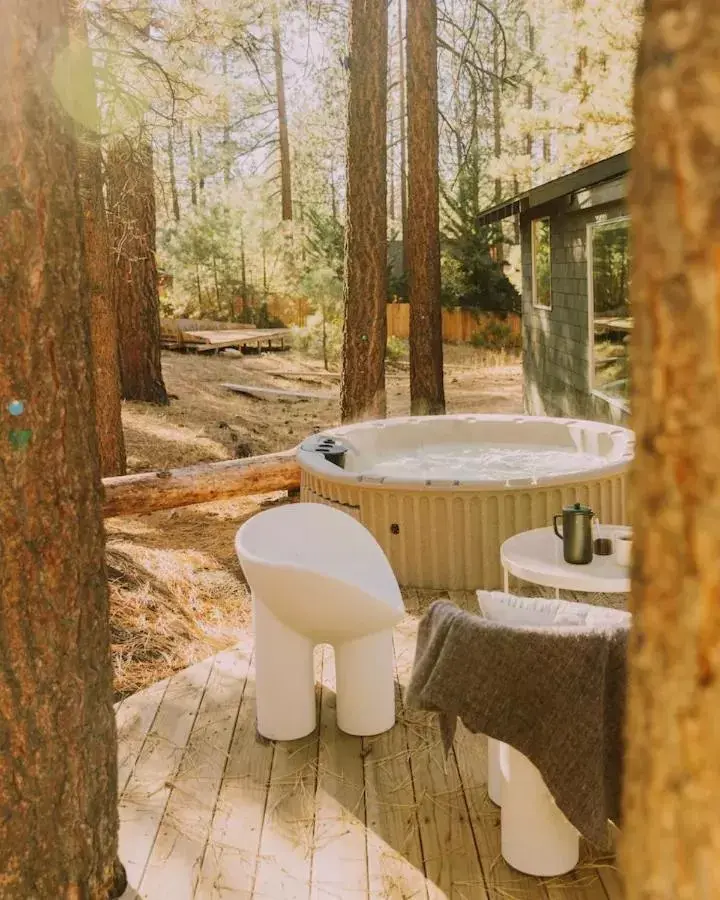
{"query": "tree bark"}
(403, 137)
(193, 168)
(284, 139)
(173, 179)
(148, 491)
(227, 134)
(671, 829)
(200, 165)
(103, 314)
(427, 395)
(58, 769)
(496, 102)
(131, 201)
(362, 393)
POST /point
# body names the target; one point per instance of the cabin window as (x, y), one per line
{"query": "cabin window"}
(609, 305)
(541, 292)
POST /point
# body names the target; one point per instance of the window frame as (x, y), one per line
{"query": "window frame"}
(624, 405)
(535, 303)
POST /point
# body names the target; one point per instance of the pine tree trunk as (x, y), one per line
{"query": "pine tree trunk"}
(173, 179)
(243, 277)
(496, 107)
(193, 168)
(284, 139)
(391, 170)
(103, 314)
(131, 201)
(427, 395)
(362, 393)
(227, 133)
(671, 829)
(200, 165)
(58, 769)
(403, 137)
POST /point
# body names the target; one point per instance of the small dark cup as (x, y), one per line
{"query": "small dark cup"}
(602, 547)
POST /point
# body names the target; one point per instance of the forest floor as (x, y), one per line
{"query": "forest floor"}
(177, 591)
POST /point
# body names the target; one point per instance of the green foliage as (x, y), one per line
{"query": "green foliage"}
(325, 242)
(201, 252)
(396, 349)
(497, 335)
(470, 277)
(541, 261)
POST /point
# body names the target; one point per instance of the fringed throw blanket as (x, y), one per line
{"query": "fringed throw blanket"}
(555, 694)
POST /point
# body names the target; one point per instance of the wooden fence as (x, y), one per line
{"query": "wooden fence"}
(458, 325)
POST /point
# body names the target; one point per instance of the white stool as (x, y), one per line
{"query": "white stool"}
(318, 576)
(535, 836)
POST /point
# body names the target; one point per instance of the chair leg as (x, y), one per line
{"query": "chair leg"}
(535, 836)
(284, 679)
(495, 775)
(365, 684)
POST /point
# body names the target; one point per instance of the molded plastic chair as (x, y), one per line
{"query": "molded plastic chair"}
(535, 836)
(318, 576)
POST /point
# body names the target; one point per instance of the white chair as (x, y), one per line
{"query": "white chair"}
(494, 771)
(535, 836)
(318, 576)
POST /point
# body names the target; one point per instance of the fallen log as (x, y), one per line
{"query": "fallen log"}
(261, 393)
(149, 491)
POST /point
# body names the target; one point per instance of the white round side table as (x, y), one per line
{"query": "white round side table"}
(537, 556)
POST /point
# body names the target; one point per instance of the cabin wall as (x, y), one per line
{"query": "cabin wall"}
(556, 341)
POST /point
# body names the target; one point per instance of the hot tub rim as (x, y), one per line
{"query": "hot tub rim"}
(316, 465)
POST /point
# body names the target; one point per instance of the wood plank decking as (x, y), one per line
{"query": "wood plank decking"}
(212, 341)
(210, 811)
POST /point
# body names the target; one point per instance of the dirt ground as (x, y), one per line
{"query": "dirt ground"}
(206, 422)
(177, 591)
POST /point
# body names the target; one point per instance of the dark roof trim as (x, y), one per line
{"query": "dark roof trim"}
(605, 170)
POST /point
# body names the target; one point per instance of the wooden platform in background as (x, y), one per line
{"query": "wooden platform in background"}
(212, 341)
(211, 811)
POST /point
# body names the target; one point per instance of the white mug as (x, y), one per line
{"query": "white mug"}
(623, 548)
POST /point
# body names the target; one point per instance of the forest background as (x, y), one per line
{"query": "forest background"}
(243, 107)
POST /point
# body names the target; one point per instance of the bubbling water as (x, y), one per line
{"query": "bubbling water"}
(459, 462)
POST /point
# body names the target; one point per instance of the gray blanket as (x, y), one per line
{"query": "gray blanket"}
(555, 694)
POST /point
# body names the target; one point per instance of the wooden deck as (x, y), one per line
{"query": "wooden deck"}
(213, 341)
(211, 811)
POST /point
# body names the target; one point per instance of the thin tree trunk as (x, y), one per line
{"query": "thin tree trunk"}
(671, 827)
(198, 288)
(131, 198)
(362, 393)
(58, 744)
(285, 169)
(200, 165)
(496, 101)
(193, 168)
(103, 313)
(217, 288)
(333, 195)
(391, 170)
(227, 154)
(403, 136)
(243, 275)
(173, 180)
(324, 336)
(427, 395)
(474, 154)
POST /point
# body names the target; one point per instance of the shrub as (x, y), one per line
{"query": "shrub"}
(396, 349)
(497, 335)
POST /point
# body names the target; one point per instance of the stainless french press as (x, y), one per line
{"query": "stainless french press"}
(576, 533)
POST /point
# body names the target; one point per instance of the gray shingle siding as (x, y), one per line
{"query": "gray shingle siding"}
(556, 341)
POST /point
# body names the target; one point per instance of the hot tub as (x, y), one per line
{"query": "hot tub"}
(441, 493)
